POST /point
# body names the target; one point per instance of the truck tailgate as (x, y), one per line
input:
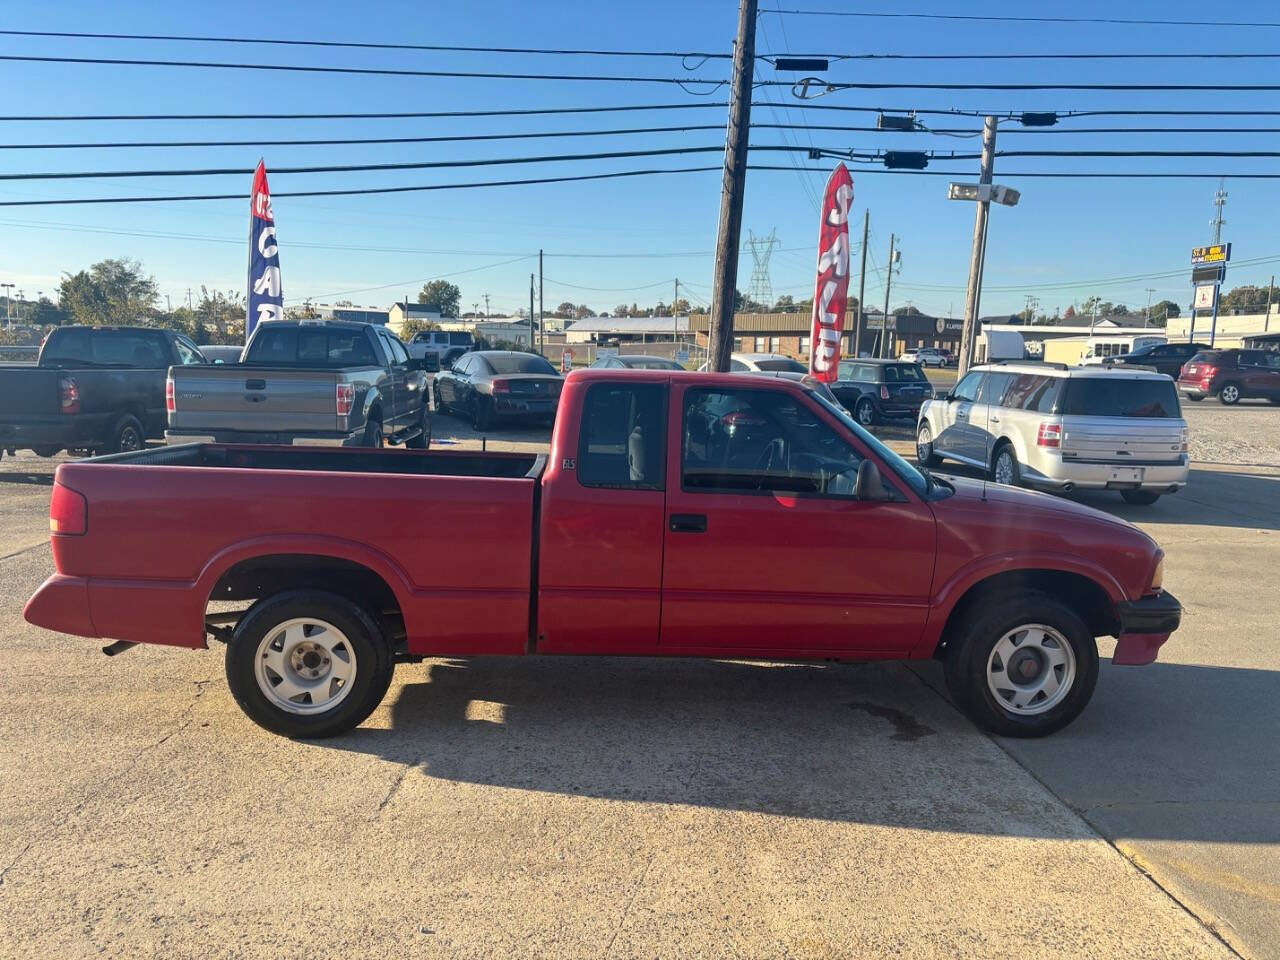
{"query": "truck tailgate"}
(27, 389)
(235, 397)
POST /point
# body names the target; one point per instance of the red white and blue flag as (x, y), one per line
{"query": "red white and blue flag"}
(831, 297)
(266, 296)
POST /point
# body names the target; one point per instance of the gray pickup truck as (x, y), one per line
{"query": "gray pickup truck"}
(338, 383)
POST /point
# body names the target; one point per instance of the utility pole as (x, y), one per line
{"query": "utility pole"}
(189, 307)
(541, 316)
(862, 287)
(888, 278)
(973, 301)
(675, 324)
(1219, 201)
(728, 238)
(8, 300)
(1266, 317)
(486, 305)
(531, 339)
(1146, 317)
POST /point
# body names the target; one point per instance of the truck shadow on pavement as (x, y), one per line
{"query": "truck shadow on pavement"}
(867, 743)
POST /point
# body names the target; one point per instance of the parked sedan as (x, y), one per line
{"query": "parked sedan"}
(925, 356)
(881, 389)
(632, 361)
(760, 363)
(499, 384)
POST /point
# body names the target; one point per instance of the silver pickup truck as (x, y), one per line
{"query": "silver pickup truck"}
(338, 383)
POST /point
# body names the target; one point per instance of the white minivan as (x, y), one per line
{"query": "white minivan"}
(1061, 428)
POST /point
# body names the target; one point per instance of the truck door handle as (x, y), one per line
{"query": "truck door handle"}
(255, 384)
(688, 523)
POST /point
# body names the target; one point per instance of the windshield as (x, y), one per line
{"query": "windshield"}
(909, 474)
(792, 366)
(651, 363)
(519, 363)
(1121, 397)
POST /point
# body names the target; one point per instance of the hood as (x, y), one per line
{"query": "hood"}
(1053, 508)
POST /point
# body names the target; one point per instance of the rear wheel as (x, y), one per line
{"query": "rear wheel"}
(127, 435)
(306, 663)
(924, 448)
(373, 435)
(1141, 498)
(1023, 668)
(1229, 394)
(423, 439)
(1004, 466)
(865, 411)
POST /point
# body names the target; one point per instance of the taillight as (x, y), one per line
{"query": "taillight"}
(170, 399)
(501, 386)
(884, 392)
(345, 394)
(1049, 435)
(69, 394)
(68, 512)
(1207, 372)
(1185, 437)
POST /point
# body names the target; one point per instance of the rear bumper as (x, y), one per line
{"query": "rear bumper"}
(142, 611)
(1144, 627)
(532, 407)
(897, 409)
(320, 439)
(1056, 474)
(1195, 388)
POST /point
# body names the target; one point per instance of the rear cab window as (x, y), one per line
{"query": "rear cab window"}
(1114, 396)
(130, 348)
(622, 442)
(311, 346)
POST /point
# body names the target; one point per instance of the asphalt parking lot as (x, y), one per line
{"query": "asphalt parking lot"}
(622, 807)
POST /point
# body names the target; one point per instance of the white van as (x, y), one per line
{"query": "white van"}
(1062, 428)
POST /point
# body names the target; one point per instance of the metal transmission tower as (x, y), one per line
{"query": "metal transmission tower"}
(1219, 201)
(761, 290)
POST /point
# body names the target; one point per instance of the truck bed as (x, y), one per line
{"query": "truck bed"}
(451, 535)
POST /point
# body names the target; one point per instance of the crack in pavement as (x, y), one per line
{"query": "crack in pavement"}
(185, 719)
(395, 787)
(18, 553)
(622, 920)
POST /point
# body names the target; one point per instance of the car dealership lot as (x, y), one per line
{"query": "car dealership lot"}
(661, 807)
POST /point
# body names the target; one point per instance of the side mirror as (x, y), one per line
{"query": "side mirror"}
(868, 485)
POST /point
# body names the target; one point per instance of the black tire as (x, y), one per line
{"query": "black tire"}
(368, 648)
(127, 435)
(1139, 498)
(970, 647)
(441, 406)
(422, 440)
(1230, 393)
(481, 413)
(864, 411)
(46, 451)
(1193, 399)
(1005, 459)
(924, 447)
(373, 435)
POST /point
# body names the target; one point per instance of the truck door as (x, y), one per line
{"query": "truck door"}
(768, 551)
(600, 545)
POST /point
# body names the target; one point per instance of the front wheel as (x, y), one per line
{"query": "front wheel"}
(1229, 394)
(1193, 398)
(423, 439)
(307, 663)
(481, 414)
(865, 411)
(924, 448)
(1141, 498)
(1022, 668)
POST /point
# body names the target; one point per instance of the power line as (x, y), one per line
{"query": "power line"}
(402, 283)
(1048, 56)
(430, 114)
(374, 71)
(574, 286)
(1010, 19)
(1160, 87)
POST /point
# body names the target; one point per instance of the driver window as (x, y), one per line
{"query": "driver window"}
(967, 389)
(754, 441)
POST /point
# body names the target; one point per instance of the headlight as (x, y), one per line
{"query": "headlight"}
(1157, 578)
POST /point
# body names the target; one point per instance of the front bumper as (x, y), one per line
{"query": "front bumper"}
(1144, 627)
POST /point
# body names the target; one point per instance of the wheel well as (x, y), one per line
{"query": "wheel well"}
(1086, 597)
(999, 445)
(375, 413)
(260, 577)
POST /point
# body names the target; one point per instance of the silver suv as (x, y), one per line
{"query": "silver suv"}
(1061, 428)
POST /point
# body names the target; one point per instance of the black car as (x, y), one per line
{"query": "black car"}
(635, 362)
(881, 389)
(491, 384)
(1166, 358)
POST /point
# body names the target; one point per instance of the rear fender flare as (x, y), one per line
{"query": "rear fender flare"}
(372, 398)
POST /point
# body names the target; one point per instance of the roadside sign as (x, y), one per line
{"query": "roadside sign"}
(1213, 273)
(566, 360)
(1217, 253)
(1205, 295)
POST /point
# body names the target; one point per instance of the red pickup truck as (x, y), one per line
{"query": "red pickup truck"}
(696, 514)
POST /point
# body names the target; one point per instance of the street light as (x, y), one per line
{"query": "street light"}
(984, 193)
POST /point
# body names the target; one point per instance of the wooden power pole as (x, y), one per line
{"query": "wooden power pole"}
(973, 301)
(725, 283)
(862, 286)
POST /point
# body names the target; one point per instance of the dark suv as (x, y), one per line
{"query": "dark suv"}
(1166, 358)
(881, 389)
(1232, 375)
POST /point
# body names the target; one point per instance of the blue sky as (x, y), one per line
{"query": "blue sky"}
(621, 241)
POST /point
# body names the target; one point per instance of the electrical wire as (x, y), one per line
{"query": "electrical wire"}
(430, 114)
(1158, 87)
(1012, 19)
(373, 71)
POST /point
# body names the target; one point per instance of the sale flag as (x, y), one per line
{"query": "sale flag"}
(831, 297)
(266, 296)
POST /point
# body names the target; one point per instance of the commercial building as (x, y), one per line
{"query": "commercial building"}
(326, 311)
(1232, 330)
(400, 312)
